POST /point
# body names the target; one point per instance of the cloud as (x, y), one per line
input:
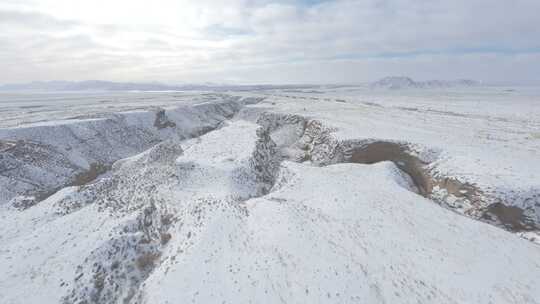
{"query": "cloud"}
(32, 21)
(269, 41)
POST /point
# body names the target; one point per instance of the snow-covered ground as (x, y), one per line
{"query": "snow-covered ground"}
(488, 138)
(19, 108)
(334, 195)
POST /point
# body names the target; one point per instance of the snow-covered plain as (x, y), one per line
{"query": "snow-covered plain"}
(326, 195)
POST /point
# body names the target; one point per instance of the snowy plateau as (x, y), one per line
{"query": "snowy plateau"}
(327, 194)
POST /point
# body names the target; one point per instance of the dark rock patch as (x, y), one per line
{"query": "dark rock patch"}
(162, 121)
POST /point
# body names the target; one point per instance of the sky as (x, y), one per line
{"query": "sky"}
(274, 42)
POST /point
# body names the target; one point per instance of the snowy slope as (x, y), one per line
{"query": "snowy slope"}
(346, 234)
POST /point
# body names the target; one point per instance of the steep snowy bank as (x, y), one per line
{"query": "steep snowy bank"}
(40, 158)
(493, 178)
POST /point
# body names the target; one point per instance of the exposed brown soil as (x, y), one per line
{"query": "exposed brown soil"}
(509, 217)
(89, 175)
(388, 151)
(80, 179)
(162, 121)
(513, 218)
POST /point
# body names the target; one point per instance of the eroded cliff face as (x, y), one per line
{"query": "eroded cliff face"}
(38, 160)
(303, 139)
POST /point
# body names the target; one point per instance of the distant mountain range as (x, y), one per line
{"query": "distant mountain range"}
(393, 82)
(97, 85)
(400, 82)
(100, 85)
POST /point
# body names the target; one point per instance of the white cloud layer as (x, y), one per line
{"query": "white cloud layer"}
(257, 41)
